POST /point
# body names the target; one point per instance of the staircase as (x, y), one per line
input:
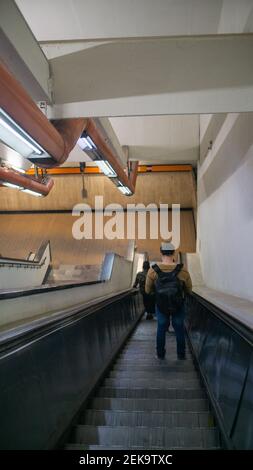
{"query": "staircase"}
(147, 404)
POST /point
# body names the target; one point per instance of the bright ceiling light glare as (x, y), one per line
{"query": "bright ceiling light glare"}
(33, 193)
(106, 168)
(15, 137)
(10, 185)
(86, 143)
(125, 190)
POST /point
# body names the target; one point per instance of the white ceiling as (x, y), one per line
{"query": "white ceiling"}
(68, 20)
(67, 26)
(173, 139)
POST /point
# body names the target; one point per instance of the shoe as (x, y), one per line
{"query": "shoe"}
(149, 316)
(181, 357)
(160, 358)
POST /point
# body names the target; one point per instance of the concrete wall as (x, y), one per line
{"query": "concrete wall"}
(17, 310)
(225, 211)
(21, 275)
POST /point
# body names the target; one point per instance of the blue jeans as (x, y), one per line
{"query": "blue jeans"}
(163, 322)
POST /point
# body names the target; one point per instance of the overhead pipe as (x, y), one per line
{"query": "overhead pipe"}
(98, 138)
(58, 137)
(26, 182)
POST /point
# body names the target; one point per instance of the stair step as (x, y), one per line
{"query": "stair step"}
(148, 404)
(146, 436)
(120, 392)
(151, 419)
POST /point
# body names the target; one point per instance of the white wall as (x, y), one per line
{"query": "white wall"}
(225, 208)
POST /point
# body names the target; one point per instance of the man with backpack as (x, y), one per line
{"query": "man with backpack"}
(148, 300)
(171, 282)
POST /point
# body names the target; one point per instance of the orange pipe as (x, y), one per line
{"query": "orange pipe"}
(69, 171)
(96, 171)
(24, 181)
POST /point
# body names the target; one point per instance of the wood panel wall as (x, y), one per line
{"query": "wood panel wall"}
(168, 188)
(22, 233)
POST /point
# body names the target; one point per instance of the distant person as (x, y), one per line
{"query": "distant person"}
(148, 299)
(170, 282)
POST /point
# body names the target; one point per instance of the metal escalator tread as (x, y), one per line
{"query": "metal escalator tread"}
(148, 404)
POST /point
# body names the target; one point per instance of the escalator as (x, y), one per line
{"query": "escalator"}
(146, 403)
(87, 377)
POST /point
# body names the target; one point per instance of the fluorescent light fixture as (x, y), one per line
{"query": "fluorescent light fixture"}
(86, 143)
(33, 193)
(106, 168)
(117, 182)
(19, 140)
(125, 190)
(10, 185)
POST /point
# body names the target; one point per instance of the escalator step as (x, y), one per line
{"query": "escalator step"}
(148, 404)
(133, 382)
(146, 436)
(153, 419)
(153, 365)
(175, 393)
(154, 374)
(132, 447)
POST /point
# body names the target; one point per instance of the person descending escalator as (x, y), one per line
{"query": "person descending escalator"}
(148, 299)
(170, 282)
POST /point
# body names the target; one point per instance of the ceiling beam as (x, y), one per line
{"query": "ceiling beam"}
(21, 53)
(112, 19)
(162, 76)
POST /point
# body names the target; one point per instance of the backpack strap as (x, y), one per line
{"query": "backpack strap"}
(177, 269)
(156, 268)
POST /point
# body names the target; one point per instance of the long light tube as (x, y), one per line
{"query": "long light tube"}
(125, 190)
(10, 185)
(86, 143)
(106, 168)
(14, 136)
(88, 146)
(33, 193)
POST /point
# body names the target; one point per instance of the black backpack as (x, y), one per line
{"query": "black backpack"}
(142, 281)
(168, 290)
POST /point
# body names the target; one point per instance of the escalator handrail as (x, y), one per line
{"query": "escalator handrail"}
(20, 335)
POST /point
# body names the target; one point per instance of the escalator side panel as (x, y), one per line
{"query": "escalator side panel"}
(223, 356)
(44, 383)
